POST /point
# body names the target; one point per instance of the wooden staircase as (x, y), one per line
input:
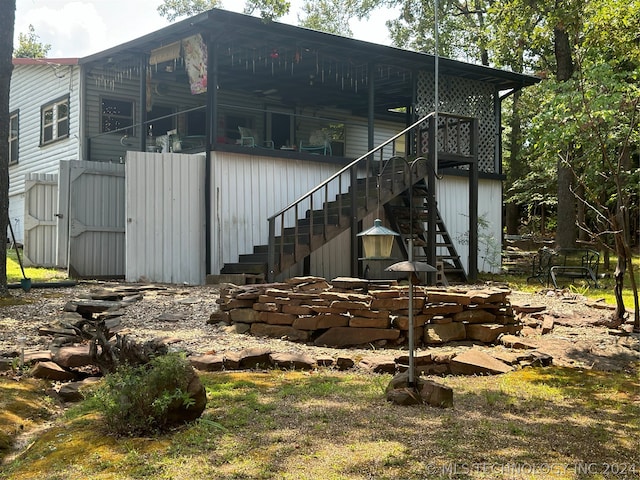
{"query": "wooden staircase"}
(400, 216)
(347, 197)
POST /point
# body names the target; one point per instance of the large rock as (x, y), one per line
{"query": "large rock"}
(474, 316)
(296, 361)
(346, 336)
(180, 412)
(443, 333)
(279, 331)
(423, 391)
(379, 364)
(248, 358)
(51, 371)
(208, 363)
(476, 362)
(76, 356)
(485, 332)
(244, 315)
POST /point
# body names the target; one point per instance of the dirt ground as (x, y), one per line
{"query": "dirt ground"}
(578, 338)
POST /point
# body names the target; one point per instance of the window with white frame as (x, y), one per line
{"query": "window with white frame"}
(13, 137)
(117, 116)
(54, 121)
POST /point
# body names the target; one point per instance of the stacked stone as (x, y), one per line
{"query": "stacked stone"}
(347, 312)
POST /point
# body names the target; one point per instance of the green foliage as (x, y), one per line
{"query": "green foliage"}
(173, 9)
(136, 400)
(29, 45)
(331, 16)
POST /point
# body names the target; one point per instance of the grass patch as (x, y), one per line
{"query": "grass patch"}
(335, 425)
(36, 274)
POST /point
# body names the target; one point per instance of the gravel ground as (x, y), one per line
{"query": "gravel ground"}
(181, 313)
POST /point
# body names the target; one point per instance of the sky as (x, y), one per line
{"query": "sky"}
(76, 28)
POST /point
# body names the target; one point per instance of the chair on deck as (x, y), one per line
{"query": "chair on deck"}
(319, 142)
(248, 138)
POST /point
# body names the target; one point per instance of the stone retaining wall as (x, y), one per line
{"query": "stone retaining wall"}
(347, 312)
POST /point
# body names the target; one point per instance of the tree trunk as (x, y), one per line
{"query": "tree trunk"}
(566, 228)
(7, 21)
(516, 167)
(566, 215)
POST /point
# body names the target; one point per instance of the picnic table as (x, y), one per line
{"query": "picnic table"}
(549, 265)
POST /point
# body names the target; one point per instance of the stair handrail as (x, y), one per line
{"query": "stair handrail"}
(309, 195)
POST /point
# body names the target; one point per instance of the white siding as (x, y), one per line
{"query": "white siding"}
(453, 203)
(246, 190)
(33, 86)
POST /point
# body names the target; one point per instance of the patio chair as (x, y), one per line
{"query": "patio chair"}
(319, 142)
(248, 138)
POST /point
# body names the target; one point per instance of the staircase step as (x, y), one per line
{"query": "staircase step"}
(253, 268)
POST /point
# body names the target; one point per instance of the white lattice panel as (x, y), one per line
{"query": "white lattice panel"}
(462, 97)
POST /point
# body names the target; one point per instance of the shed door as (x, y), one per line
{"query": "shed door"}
(40, 203)
(95, 202)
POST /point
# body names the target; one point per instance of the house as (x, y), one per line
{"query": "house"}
(222, 144)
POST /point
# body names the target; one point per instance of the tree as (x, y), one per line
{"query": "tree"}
(29, 45)
(7, 21)
(269, 9)
(331, 16)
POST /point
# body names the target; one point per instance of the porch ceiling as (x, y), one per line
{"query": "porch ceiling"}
(307, 67)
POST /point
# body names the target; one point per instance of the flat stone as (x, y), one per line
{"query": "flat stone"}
(400, 303)
(247, 358)
(75, 356)
(51, 371)
(279, 331)
(436, 394)
(349, 305)
(72, 391)
(38, 356)
(434, 296)
(275, 318)
(364, 322)
(346, 336)
(402, 321)
(89, 307)
(547, 324)
(266, 307)
(477, 362)
(346, 296)
(171, 317)
(218, 317)
(513, 341)
(442, 308)
(297, 309)
(527, 308)
(325, 361)
(349, 282)
(345, 363)
(296, 361)
(485, 332)
(379, 364)
(244, 315)
(474, 316)
(208, 363)
(443, 333)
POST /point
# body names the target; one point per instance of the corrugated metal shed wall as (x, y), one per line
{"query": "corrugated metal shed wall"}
(246, 190)
(95, 195)
(165, 218)
(41, 202)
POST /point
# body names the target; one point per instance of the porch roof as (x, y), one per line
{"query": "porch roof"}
(309, 67)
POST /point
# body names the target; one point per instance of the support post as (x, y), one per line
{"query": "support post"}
(142, 106)
(431, 201)
(473, 202)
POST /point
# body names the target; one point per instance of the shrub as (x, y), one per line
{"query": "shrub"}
(143, 400)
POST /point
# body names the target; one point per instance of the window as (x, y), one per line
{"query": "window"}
(160, 121)
(117, 116)
(54, 121)
(13, 137)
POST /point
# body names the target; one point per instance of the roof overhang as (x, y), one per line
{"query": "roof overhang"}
(308, 67)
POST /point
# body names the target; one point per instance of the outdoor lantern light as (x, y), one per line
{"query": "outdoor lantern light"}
(377, 241)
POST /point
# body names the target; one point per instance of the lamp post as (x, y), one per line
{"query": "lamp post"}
(378, 242)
